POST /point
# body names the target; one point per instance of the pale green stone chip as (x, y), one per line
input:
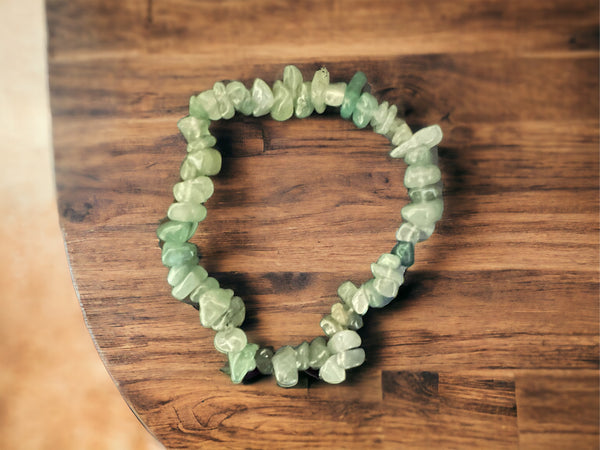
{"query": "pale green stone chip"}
(205, 161)
(375, 299)
(343, 340)
(402, 134)
(242, 362)
(387, 288)
(206, 141)
(262, 96)
(382, 271)
(386, 123)
(292, 79)
(302, 356)
(230, 340)
(420, 155)
(190, 282)
(186, 212)
(178, 273)
(284, 367)
(423, 214)
(346, 317)
(205, 106)
(176, 254)
(350, 358)
(427, 137)
(419, 176)
(364, 110)
(318, 352)
(193, 128)
(334, 94)
(283, 102)
(331, 372)
(329, 325)
(233, 317)
(195, 190)
(176, 231)
(304, 105)
(208, 284)
(318, 87)
(390, 260)
(240, 97)
(346, 291)
(226, 109)
(408, 232)
(360, 301)
(380, 114)
(213, 304)
(397, 123)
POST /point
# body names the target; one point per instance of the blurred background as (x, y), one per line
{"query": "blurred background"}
(54, 391)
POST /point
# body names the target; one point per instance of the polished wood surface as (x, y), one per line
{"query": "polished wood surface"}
(493, 340)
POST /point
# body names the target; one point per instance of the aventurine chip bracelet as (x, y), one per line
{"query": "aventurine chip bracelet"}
(340, 349)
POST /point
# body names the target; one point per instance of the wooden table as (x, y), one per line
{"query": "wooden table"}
(493, 341)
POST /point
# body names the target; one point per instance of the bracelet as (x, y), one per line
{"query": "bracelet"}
(339, 350)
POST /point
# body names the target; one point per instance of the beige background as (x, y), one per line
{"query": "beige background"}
(54, 390)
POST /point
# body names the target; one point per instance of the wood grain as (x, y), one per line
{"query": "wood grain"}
(493, 341)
